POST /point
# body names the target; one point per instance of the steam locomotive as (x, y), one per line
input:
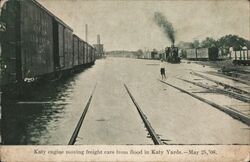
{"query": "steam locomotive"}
(34, 43)
(171, 54)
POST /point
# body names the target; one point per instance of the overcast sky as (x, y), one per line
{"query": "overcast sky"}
(129, 25)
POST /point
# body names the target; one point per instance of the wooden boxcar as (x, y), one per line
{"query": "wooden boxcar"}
(89, 54)
(85, 53)
(63, 51)
(211, 53)
(75, 50)
(191, 54)
(28, 45)
(35, 43)
(81, 52)
(203, 53)
(93, 54)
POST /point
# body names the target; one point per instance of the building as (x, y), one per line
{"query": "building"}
(99, 50)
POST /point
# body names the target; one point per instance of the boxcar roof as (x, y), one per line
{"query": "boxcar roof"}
(80, 39)
(76, 36)
(51, 14)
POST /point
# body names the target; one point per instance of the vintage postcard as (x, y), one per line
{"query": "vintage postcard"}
(125, 80)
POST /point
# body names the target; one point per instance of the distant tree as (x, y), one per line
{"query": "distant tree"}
(248, 44)
(138, 53)
(223, 43)
(233, 41)
(196, 44)
(209, 42)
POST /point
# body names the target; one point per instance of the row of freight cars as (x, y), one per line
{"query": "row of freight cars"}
(35, 43)
(212, 54)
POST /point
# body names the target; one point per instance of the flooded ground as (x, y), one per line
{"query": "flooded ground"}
(48, 114)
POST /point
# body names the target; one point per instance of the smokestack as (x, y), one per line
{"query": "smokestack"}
(86, 32)
(98, 39)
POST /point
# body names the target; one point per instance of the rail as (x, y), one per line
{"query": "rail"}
(153, 135)
(228, 93)
(229, 77)
(220, 83)
(79, 124)
(233, 113)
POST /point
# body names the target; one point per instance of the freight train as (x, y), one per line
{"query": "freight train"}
(202, 54)
(241, 57)
(34, 43)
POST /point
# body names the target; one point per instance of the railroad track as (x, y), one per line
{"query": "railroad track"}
(156, 139)
(233, 113)
(153, 135)
(238, 90)
(79, 124)
(218, 90)
(229, 77)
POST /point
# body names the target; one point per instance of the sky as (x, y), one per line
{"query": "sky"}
(130, 25)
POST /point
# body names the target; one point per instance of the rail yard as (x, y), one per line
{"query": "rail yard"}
(96, 107)
(57, 88)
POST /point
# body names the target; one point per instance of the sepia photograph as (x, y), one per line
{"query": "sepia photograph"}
(125, 75)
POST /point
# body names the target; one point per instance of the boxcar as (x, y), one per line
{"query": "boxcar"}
(191, 54)
(68, 49)
(80, 58)
(75, 50)
(92, 54)
(241, 57)
(28, 46)
(34, 43)
(63, 52)
(89, 53)
(203, 53)
(85, 53)
(211, 53)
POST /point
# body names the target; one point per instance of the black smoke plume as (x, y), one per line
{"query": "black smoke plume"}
(167, 26)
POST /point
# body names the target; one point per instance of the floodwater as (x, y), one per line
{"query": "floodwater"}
(48, 113)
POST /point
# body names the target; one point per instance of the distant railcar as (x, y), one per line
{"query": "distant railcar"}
(203, 54)
(191, 54)
(35, 43)
(154, 54)
(241, 57)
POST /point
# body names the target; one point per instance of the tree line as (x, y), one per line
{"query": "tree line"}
(223, 43)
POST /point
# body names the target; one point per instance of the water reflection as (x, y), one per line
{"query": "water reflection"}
(29, 116)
